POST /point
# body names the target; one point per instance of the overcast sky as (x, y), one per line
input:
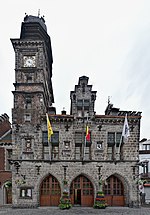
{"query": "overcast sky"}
(106, 40)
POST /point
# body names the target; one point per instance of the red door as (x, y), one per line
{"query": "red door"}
(114, 191)
(82, 192)
(50, 192)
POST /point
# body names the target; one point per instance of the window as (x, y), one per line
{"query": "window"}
(82, 149)
(26, 192)
(86, 104)
(83, 107)
(83, 103)
(145, 167)
(113, 141)
(113, 186)
(27, 117)
(28, 103)
(146, 146)
(55, 145)
(78, 137)
(55, 138)
(46, 154)
(78, 152)
(79, 103)
(29, 78)
(45, 138)
(87, 187)
(87, 152)
(78, 145)
(118, 138)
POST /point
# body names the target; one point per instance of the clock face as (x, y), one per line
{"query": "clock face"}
(29, 61)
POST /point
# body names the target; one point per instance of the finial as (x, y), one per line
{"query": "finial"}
(38, 12)
(108, 100)
(26, 16)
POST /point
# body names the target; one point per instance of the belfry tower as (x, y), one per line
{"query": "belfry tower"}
(33, 95)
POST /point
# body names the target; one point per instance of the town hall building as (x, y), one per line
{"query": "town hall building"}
(39, 167)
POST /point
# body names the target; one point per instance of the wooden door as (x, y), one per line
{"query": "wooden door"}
(50, 192)
(114, 191)
(9, 195)
(82, 192)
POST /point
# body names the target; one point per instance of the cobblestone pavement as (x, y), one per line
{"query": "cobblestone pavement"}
(76, 210)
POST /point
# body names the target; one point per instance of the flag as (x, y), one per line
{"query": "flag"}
(87, 133)
(125, 131)
(49, 127)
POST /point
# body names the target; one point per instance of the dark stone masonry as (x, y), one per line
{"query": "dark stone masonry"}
(38, 167)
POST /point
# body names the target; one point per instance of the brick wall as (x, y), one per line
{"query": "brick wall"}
(2, 158)
(5, 176)
(4, 124)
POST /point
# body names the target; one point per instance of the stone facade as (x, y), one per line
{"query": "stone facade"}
(38, 165)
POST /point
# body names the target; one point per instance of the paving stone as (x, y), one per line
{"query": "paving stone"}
(76, 210)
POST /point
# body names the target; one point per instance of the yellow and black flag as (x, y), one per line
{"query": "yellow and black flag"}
(49, 127)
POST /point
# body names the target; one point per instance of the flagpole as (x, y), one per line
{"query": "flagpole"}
(120, 144)
(85, 136)
(125, 132)
(50, 132)
(84, 147)
(49, 143)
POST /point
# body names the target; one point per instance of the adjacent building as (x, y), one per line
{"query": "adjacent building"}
(39, 167)
(5, 157)
(144, 170)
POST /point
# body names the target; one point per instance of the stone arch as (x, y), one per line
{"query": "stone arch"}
(82, 190)
(49, 191)
(7, 192)
(90, 177)
(124, 184)
(127, 187)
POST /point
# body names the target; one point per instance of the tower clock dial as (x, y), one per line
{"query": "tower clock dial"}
(29, 61)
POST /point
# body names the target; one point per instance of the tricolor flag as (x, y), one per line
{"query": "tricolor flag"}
(125, 131)
(87, 133)
(49, 127)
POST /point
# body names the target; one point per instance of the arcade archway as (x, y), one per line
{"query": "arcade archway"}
(82, 192)
(114, 191)
(50, 192)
